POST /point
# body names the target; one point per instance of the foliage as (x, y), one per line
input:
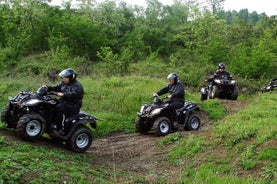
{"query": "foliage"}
(182, 37)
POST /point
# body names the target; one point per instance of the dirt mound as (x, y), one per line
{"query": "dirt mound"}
(234, 106)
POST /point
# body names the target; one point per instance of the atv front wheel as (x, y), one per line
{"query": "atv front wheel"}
(162, 126)
(6, 118)
(214, 92)
(203, 97)
(30, 127)
(193, 123)
(234, 94)
(80, 140)
(141, 126)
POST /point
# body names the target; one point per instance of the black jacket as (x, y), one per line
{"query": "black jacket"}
(176, 91)
(72, 92)
(223, 74)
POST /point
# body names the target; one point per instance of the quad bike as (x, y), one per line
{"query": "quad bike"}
(224, 87)
(157, 116)
(31, 115)
(272, 85)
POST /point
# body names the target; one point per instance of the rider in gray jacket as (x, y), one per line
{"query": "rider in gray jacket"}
(176, 94)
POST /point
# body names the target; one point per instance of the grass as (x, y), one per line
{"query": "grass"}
(242, 141)
(248, 138)
(44, 165)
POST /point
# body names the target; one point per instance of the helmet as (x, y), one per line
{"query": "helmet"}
(68, 73)
(221, 66)
(172, 76)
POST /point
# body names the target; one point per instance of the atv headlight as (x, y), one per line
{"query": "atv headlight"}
(233, 81)
(217, 81)
(156, 111)
(32, 102)
(142, 108)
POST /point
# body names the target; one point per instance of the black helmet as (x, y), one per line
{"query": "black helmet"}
(172, 76)
(68, 73)
(221, 66)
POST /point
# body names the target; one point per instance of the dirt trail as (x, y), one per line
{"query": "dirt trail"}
(136, 154)
(140, 154)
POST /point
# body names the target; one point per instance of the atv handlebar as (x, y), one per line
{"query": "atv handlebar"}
(52, 93)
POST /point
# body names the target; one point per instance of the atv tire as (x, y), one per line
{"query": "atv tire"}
(234, 94)
(5, 117)
(141, 126)
(193, 123)
(162, 126)
(30, 127)
(214, 92)
(203, 97)
(80, 140)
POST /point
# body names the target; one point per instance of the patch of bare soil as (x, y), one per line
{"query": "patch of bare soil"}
(233, 106)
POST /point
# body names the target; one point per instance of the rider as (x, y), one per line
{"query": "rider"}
(176, 94)
(221, 72)
(71, 95)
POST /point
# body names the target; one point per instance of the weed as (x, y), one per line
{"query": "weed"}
(186, 148)
(214, 109)
(268, 154)
(269, 172)
(170, 139)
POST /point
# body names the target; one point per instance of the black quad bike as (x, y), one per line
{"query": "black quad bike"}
(224, 88)
(157, 117)
(31, 115)
(272, 85)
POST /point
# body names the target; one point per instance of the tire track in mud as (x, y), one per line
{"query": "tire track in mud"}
(141, 153)
(130, 152)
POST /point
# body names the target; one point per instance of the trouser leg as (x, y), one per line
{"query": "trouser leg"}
(63, 110)
(173, 107)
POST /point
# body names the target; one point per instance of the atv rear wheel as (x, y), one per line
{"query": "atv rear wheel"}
(141, 126)
(193, 123)
(30, 127)
(80, 140)
(6, 118)
(162, 126)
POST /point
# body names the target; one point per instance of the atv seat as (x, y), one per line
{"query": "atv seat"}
(186, 104)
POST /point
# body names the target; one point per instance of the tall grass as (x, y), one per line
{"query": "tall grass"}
(115, 100)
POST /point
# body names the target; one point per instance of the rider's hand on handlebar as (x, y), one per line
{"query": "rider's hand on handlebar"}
(169, 96)
(44, 86)
(155, 95)
(60, 94)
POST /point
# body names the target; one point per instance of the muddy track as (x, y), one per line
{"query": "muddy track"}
(136, 154)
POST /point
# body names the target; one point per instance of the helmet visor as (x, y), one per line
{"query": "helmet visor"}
(64, 74)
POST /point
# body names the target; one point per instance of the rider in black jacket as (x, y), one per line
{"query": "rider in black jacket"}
(71, 95)
(176, 94)
(221, 72)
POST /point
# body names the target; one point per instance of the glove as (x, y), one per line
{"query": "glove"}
(155, 95)
(45, 87)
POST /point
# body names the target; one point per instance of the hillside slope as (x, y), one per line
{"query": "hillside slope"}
(240, 148)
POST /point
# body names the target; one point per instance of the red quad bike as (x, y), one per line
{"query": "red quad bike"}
(157, 117)
(31, 115)
(224, 88)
